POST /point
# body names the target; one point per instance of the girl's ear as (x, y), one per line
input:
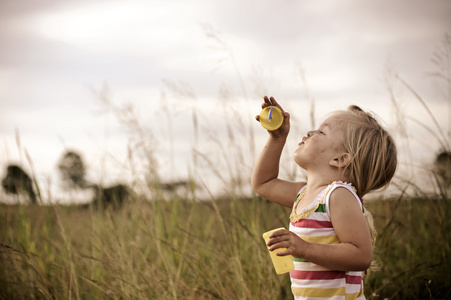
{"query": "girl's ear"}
(341, 161)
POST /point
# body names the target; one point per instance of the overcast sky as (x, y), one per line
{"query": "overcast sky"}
(170, 61)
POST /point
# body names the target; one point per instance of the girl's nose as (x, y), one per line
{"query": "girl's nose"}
(310, 133)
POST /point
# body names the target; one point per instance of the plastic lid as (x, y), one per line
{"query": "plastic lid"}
(271, 118)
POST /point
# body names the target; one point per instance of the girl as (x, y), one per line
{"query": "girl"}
(330, 236)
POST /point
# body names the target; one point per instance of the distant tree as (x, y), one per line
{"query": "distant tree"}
(442, 168)
(111, 197)
(72, 169)
(18, 182)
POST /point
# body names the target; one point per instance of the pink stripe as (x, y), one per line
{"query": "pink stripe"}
(319, 275)
(353, 279)
(308, 223)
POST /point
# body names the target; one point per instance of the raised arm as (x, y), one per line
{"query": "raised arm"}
(265, 179)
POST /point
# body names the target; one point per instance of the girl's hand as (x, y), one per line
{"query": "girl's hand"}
(284, 129)
(286, 239)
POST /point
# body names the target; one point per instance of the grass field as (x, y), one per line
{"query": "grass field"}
(175, 249)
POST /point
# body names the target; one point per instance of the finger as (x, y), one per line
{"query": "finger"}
(275, 103)
(272, 100)
(278, 233)
(267, 101)
(274, 242)
(283, 253)
(278, 245)
(286, 115)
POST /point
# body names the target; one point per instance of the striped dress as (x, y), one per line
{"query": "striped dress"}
(313, 224)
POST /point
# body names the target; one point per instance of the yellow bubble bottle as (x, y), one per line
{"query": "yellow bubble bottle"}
(282, 264)
(271, 118)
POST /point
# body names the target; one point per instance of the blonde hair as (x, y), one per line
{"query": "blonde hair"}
(373, 152)
(373, 157)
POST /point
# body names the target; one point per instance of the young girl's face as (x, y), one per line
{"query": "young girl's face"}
(321, 146)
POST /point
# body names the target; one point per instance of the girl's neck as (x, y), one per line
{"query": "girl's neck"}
(312, 190)
(319, 182)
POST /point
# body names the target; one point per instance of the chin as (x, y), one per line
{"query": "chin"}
(298, 160)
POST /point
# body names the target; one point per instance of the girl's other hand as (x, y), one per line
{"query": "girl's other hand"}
(295, 246)
(284, 129)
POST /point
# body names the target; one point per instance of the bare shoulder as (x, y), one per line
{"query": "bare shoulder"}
(343, 197)
(347, 216)
(345, 207)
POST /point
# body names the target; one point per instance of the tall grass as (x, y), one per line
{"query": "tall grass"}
(176, 249)
(413, 249)
(148, 250)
